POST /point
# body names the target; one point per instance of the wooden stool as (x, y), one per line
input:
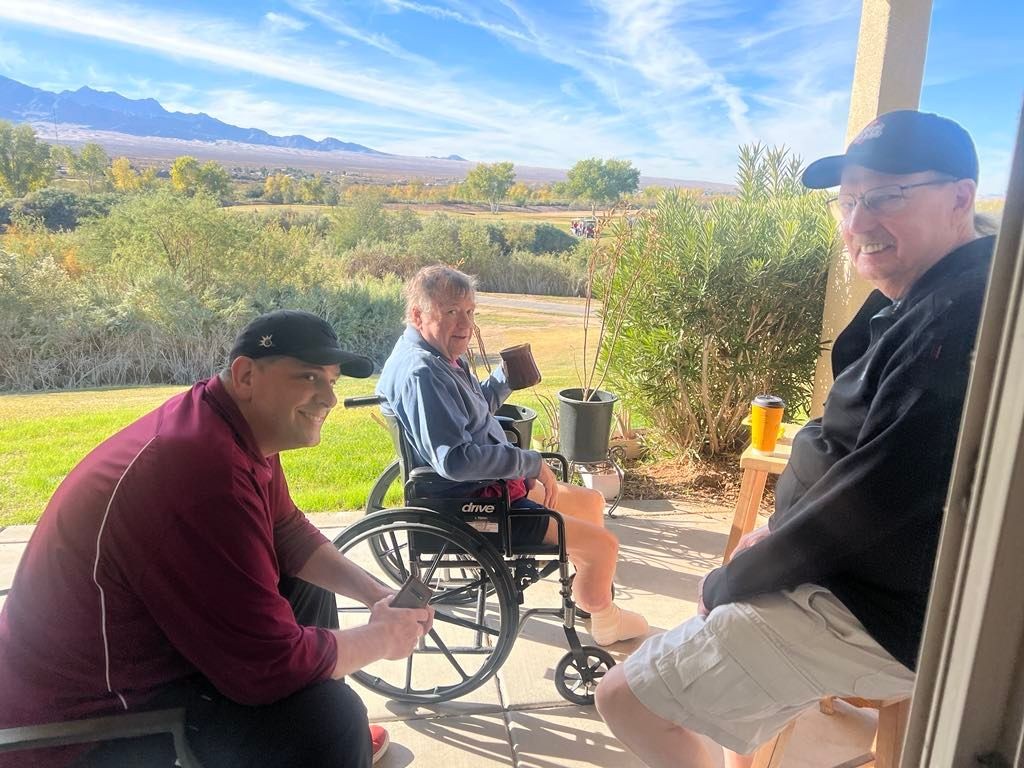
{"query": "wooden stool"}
(756, 467)
(885, 751)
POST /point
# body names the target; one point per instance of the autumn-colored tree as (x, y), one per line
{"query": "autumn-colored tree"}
(185, 174)
(25, 162)
(279, 188)
(312, 190)
(123, 176)
(189, 177)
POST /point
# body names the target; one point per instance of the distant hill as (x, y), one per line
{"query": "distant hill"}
(145, 132)
(110, 111)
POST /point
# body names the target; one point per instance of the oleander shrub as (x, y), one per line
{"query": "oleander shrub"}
(731, 303)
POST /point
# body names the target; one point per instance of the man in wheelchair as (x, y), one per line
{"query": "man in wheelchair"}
(447, 416)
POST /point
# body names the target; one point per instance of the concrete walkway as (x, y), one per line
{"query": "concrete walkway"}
(517, 718)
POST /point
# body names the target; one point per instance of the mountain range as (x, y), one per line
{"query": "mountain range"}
(110, 111)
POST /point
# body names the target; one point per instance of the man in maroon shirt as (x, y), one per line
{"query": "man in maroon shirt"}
(172, 568)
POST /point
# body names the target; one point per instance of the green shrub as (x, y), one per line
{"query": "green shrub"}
(731, 303)
(526, 272)
(158, 290)
(63, 208)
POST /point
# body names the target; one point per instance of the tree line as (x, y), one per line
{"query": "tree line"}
(28, 164)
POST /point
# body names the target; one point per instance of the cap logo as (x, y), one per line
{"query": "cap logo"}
(267, 341)
(872, 131)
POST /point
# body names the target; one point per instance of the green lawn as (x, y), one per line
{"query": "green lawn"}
(42, 436)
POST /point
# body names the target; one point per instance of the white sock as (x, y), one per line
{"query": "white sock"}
(614, 624)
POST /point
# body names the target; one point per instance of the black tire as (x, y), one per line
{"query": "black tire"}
(578, 685)
(387, 552)
(474, 637)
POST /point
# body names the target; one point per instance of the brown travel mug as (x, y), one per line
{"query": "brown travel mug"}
(520, 368)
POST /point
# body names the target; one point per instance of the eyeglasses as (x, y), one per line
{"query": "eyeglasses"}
(880, 200)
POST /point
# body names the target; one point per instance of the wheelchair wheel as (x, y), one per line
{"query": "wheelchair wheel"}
(470, 638)
(387, 552)
(575, 680)
(389, 548)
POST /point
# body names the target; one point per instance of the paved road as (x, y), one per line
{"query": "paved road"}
(537, 305)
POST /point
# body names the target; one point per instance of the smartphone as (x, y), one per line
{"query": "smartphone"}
(413, 594)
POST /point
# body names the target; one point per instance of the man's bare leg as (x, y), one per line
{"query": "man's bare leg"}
(591, 548)
(658, 742)
(736, 760)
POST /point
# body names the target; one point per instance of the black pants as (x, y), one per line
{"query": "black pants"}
(322, 725)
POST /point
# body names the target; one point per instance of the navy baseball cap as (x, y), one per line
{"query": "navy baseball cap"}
(901, 142)
(298, 334)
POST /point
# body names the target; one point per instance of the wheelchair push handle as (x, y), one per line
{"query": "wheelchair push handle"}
(362, 401)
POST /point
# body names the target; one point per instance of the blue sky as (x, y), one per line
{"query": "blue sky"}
(673, 85)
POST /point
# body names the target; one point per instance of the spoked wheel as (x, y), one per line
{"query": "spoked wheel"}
(390, 549)
(469, 640)
(387, 552)
(575, 680)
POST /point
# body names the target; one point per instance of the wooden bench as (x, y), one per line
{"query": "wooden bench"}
(885, 751)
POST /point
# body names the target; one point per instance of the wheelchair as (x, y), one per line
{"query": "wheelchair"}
(462, 548)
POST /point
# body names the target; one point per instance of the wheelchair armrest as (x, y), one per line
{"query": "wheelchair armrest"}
(563, 463)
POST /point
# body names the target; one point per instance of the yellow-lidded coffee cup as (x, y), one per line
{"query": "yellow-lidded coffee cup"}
(765, 422)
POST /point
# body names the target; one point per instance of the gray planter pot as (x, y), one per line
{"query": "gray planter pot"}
(585, 427)
(520, 417)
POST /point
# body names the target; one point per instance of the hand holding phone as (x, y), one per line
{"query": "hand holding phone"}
(413, 594)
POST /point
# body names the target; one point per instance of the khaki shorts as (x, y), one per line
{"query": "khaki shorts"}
(748, 669)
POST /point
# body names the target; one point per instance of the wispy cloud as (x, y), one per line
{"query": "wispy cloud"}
(11, 56)
(338, 24)
(674, 85)
(283, 20)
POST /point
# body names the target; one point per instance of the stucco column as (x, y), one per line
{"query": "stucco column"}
(888, 75)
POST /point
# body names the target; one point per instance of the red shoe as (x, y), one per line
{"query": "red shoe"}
(380, 740)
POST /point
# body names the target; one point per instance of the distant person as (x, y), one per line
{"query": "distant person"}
(829, 598)
(448, 417)
(172, 568)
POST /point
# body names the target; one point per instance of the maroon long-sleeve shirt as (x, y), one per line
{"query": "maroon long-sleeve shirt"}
(157, 557)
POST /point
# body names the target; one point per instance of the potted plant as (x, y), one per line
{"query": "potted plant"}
(585, 412)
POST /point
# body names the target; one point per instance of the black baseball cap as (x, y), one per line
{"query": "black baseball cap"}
(298, 334)
(901, 142)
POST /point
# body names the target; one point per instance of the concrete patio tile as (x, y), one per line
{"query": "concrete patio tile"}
(10, 555)
(661, 561)
(16, 534)
(480, 741)
(485, 699)
(565, 737)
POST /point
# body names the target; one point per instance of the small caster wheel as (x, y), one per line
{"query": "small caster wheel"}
(579, 611)
(577, 684)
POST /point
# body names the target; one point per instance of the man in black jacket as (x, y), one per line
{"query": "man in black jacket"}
(829, 598)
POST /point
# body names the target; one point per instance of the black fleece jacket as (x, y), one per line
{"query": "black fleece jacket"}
(860, 505)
